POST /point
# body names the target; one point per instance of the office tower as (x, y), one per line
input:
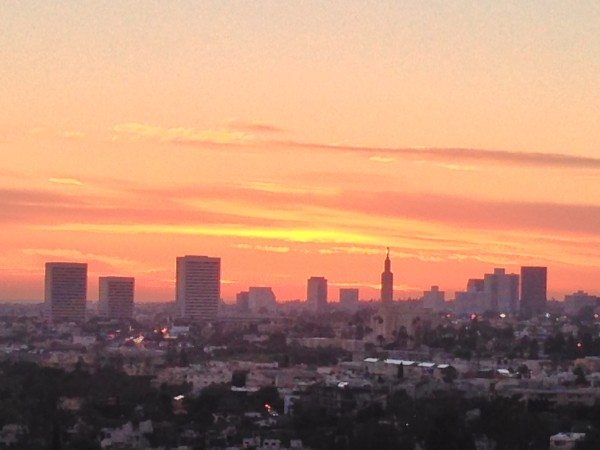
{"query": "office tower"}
(577, 302)
(116, 297)
(387, 280)
(501, 291)
(65, 291)
(198, 287)
(242, 301)
(475, 285)
(434, 299)
(316, 295)
(349, 299)
(472, 300)
(533, 290)
(261, 299)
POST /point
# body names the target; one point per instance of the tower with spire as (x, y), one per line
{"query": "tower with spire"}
(387, 280)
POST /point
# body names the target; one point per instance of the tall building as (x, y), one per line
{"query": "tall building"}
(502, 291)
(472, 300)
(316, 293)
(576, 302)
(261, 299)
(242, 301)
(349, 298)
(387, 280)
(65, 291)
(434, 299)
(533, 290)
(116, 297)
(198, 287)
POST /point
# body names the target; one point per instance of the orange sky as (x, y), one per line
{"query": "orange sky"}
(300, 139)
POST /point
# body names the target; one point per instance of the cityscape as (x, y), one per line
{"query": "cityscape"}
(315, 225)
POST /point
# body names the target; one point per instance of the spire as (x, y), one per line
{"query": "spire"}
(387, 280)
(388, 263)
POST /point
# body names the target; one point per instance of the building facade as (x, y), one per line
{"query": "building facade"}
(261, 299)
(65, 291)
(501, 291)
(198, 287)
(316, 293)
(534, 281)
(434, 299)
(116, 297)
(349, 298)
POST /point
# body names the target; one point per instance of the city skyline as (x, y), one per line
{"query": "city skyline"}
(299, 140)
(198, 281)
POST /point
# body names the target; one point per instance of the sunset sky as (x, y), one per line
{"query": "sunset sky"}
(300, 138)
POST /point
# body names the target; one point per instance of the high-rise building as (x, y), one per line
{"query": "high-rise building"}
(198, 287)
(316, 293)
(242, 301)
(434, 299)
(349, 298)
(261, 299)
(533, 290)
(576, 302)
(116, 297)
(65, 291)
(501, 291)
(387, 280)
(472, 300)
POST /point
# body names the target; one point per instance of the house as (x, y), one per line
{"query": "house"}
(565, 441)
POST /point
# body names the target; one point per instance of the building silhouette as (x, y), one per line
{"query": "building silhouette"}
(116, 297)
(198, 287)
(501, 291)
(387, 280)
(349, 298)
(316, 293)
(434, 299)
(261, 299)
(65, 291)
(242, 301)
(534, 281)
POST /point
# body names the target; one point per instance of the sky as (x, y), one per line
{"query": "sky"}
(298, 139)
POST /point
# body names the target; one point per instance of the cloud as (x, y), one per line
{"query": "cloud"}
(71, 134)
(76, 255)
(69, 181)
(242, 134)
(452, 154)
(253, 127)
(141, 132)
(315, 234)
(263, 248)
(382, 159)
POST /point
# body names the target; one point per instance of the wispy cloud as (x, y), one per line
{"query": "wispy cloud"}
(140, 132)
(248, 135)
(264, 248)
(451, 155)
(382, 159)
(76, 255)
(72, 134)
(68, 181)
(253, 127)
